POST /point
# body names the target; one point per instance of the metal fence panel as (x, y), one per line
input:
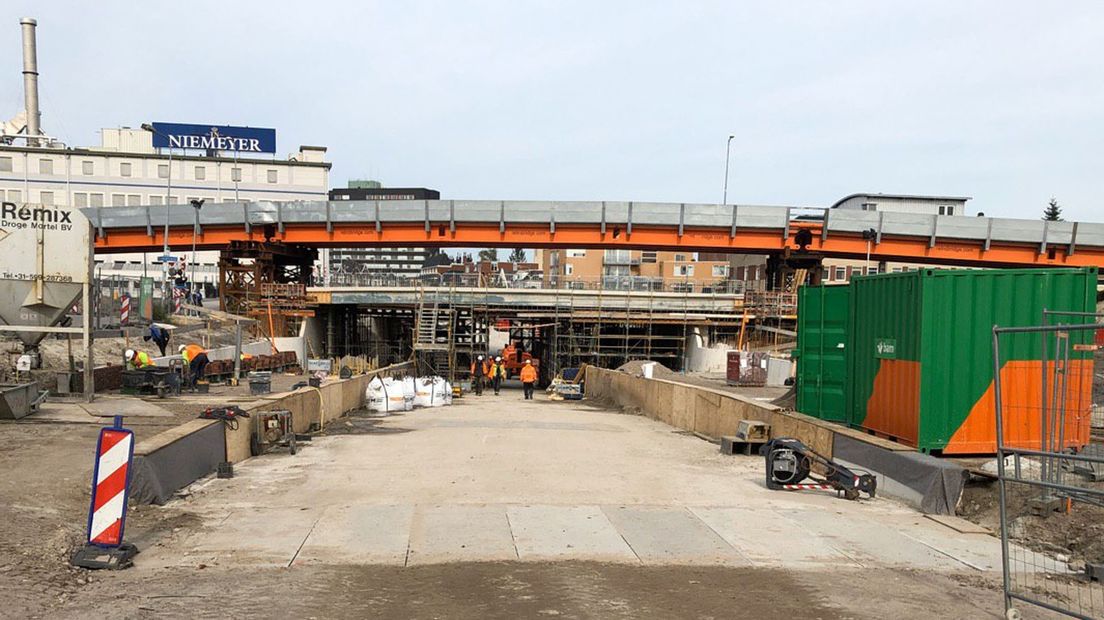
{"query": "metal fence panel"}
(1050, 473)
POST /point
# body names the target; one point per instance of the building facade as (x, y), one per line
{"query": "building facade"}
(633, 269)
(905, 203)
(839, 270)
(126, 170)
(356, 265)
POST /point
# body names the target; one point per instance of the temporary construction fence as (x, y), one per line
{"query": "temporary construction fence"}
(1051, 493)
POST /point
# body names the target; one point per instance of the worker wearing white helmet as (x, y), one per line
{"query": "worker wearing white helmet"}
(137, 359)
(478, 370)
(528, 378)
(498, 373)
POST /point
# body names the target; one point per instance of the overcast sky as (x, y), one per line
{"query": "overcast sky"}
(1001, 101)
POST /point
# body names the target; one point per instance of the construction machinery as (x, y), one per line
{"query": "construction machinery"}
(514, 358)
(790, 463)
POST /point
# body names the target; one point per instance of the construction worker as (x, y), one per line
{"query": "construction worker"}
(477, 371)
(196, 359)
(137, 360)
(160, 337)
(528, 378)
(498, 373)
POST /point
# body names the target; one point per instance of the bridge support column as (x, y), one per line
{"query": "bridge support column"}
(248, 271)
(787, 271)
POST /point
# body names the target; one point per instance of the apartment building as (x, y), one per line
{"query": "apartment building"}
(349, 264)
(633, 269)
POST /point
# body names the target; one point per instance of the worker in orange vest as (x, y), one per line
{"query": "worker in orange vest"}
(477, 371)
(195, 357)
(528, 378)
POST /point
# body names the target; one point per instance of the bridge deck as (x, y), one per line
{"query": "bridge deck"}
(979, 241)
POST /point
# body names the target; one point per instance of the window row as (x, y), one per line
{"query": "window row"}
(126, 169)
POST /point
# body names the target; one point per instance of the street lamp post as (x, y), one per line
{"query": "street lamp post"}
(728, 151)
(166, 290)
(197, 205)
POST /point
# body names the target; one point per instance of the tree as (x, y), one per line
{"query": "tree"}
(517, 256)
(490, 254)
(1052, 212)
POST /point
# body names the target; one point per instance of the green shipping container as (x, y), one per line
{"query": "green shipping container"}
(822, 331)
(919, 356)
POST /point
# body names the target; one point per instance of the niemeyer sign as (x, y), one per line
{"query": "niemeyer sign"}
(214, 137)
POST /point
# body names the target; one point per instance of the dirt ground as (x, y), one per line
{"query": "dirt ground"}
(45, 490)
(1077, 534)
(527, 590)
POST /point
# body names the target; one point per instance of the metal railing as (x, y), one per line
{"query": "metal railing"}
(497, 280)
(1049, 471)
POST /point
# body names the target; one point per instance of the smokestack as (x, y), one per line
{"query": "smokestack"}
(30, 79)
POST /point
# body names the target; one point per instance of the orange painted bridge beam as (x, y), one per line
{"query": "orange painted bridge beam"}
(918, 249)
(745, 229)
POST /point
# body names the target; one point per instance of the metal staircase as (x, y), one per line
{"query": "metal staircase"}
(433, 337)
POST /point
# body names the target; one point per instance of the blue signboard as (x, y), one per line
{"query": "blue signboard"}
(214, 137)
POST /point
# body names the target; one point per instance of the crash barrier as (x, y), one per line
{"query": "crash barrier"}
(177, 457)
(1049, 490)
(921, 481)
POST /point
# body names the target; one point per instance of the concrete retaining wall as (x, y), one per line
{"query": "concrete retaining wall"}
(714, 413)
(922, 481)
(160, 455)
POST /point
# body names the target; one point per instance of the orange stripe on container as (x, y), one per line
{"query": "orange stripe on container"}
(1021, 404)
(894, 405)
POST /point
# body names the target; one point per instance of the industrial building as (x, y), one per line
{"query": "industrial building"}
(126, 169)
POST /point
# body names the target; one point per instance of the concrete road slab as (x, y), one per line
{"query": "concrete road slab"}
(566, 532)
(359, 534)
(768, 538)
(470, 533)
(870, 542)
(671, 535)
(264, 537)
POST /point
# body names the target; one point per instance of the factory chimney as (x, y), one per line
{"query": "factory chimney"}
(30, 80)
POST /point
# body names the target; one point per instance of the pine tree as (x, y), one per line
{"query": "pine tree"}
(1052, 212)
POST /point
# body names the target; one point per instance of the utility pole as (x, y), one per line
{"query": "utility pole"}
(166, 287)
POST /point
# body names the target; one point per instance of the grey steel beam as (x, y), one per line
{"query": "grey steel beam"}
(601, 214)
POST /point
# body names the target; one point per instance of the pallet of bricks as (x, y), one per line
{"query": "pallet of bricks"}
(281, 361)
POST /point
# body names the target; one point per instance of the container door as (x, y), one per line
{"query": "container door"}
(822, 326)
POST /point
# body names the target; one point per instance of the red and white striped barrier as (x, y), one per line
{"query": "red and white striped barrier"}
(124, 311)
(808, 486)
(110, 481)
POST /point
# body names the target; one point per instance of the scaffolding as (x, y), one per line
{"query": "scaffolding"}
(443, 326)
